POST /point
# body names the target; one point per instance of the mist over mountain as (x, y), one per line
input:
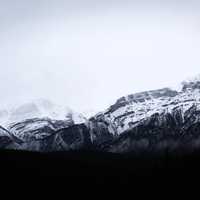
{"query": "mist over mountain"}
(98, 89)
(150, 121)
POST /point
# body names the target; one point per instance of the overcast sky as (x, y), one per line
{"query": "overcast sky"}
(87, 53)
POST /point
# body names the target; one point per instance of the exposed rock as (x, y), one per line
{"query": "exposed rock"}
(163, 121)
(6, 139)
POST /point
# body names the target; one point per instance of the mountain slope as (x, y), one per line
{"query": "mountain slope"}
(161, 120)
(6, 139)
(129, 111)
(33, 125)
(163, 133)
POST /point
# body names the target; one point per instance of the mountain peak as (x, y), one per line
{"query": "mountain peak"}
(143, 96)
(40, 108)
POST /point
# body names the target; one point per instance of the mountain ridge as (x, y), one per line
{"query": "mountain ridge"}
(155, 112)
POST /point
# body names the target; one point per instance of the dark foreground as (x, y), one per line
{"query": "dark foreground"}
(98, 168)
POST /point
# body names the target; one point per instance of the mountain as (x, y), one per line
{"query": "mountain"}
(32, 124)
(40, 108)
(6, 139)
(162, 120)
(157, 121)
(128, 111)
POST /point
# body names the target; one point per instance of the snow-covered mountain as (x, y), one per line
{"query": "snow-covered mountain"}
(36, 121)
(38, 109)
(129, 111)
(156, 120)
(148, 121)
(6, 139)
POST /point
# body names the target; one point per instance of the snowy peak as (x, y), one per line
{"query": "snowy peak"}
(143, 97)
(153, 94)
(140, 120)
(39, 109)
(38, 120)
(131, 110)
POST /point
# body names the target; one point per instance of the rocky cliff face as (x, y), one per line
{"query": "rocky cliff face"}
(6, 139)
(33, 125)
(157, 121)
(164, 133)
(75, 137)
(161, 120)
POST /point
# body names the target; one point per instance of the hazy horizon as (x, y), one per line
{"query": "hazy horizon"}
(87, 54)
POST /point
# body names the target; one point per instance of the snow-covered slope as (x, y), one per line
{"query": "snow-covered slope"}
(36, 128)
(129, 111)
(32, 123)
(148, 121)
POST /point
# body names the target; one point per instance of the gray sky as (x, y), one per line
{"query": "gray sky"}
(87, 53)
